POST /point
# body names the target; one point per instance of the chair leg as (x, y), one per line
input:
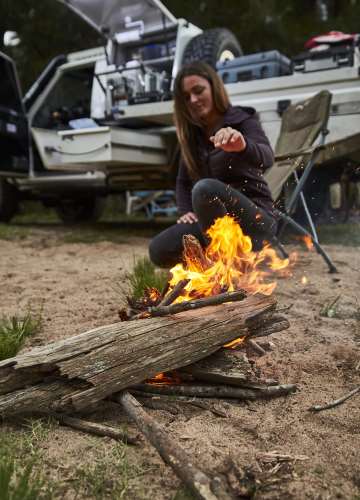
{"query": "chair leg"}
(276, 243)
(301, 230)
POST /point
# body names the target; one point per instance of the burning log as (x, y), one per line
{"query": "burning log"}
(174, 293)
(172, 453)
(197, 304)
(218, 391)
(76, 373)
(194, 253)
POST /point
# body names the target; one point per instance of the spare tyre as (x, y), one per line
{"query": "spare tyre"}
(9, 200)
(76, 211)
(211, 46)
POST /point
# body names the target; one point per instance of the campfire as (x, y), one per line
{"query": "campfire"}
(228, 264)
(189, 344)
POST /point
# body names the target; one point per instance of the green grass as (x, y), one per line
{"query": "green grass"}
(14, 331)
(21, 467)
(145, 275)
(108, 476)
(20, 482)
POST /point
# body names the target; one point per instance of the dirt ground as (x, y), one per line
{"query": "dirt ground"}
(78, 286)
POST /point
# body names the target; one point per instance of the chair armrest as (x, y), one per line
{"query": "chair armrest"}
(300, 152)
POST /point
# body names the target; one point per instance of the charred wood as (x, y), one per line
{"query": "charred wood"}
(218, 391)
(197, 304)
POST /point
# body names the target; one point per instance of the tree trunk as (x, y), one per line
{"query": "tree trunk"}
(78, 372)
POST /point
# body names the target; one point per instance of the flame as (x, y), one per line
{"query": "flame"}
(304, 280)
(230, 264)
(234, 343)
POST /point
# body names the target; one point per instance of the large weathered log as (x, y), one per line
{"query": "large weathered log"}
(78, 372)
(172, 453)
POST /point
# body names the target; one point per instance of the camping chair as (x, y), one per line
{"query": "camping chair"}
(152, 202)
(302, 137)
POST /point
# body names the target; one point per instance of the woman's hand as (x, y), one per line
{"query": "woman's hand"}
(229, 139)
(188, 218)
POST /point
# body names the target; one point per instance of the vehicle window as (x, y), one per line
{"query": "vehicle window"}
(68, 100)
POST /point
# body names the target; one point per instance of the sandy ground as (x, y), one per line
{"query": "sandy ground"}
(78, 287)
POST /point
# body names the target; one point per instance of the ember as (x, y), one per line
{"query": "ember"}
(307, 241)
(228, 263)
(168, 378)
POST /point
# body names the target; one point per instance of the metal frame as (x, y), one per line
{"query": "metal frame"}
(297, 194)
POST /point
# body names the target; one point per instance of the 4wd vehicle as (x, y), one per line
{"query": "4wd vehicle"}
(101, 119)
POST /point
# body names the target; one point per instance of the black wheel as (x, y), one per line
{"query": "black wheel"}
(75, 211)
(211, 46)
(9, 201)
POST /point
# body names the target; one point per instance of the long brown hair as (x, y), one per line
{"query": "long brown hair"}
(186, 127)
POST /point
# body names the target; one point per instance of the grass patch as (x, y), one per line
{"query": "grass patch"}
(20, 482)
(8, 232)
(108, 476)
(14, 331)
(21, 470)
(145, 275)
(331, 308)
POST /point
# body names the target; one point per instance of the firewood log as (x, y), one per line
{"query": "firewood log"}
(76, 373)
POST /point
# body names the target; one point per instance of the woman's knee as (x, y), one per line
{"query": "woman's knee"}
(205, 190)
(157, 251)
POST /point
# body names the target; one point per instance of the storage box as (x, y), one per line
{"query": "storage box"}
(254, 67)
(332, 58)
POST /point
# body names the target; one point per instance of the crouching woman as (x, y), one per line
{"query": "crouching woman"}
(224, 153)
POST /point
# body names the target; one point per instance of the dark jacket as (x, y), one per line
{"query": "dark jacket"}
(243, 171)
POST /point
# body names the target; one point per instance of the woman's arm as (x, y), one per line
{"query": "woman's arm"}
(183, 189)
(248, 140)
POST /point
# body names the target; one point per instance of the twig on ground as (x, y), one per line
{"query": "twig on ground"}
(337, 402)
(94, 428)
(255, 346)
(158, 405)
(171, 452)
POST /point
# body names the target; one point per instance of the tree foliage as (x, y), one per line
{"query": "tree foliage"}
(47, 28)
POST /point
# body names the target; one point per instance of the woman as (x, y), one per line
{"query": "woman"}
(224, 153)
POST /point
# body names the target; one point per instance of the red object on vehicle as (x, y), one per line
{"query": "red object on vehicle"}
(332, 37)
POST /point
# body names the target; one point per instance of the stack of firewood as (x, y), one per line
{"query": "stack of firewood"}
(166, 354)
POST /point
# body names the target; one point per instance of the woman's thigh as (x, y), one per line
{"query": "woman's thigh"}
(166, 248)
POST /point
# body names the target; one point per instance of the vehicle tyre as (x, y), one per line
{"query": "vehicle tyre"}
(211, 46)
(75, 211)
(9, 201)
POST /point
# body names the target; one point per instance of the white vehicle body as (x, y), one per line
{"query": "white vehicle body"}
(125, 138)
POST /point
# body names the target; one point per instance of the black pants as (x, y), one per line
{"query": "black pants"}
(212, 199)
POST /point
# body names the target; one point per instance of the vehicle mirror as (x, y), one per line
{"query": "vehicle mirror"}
(11, 39)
